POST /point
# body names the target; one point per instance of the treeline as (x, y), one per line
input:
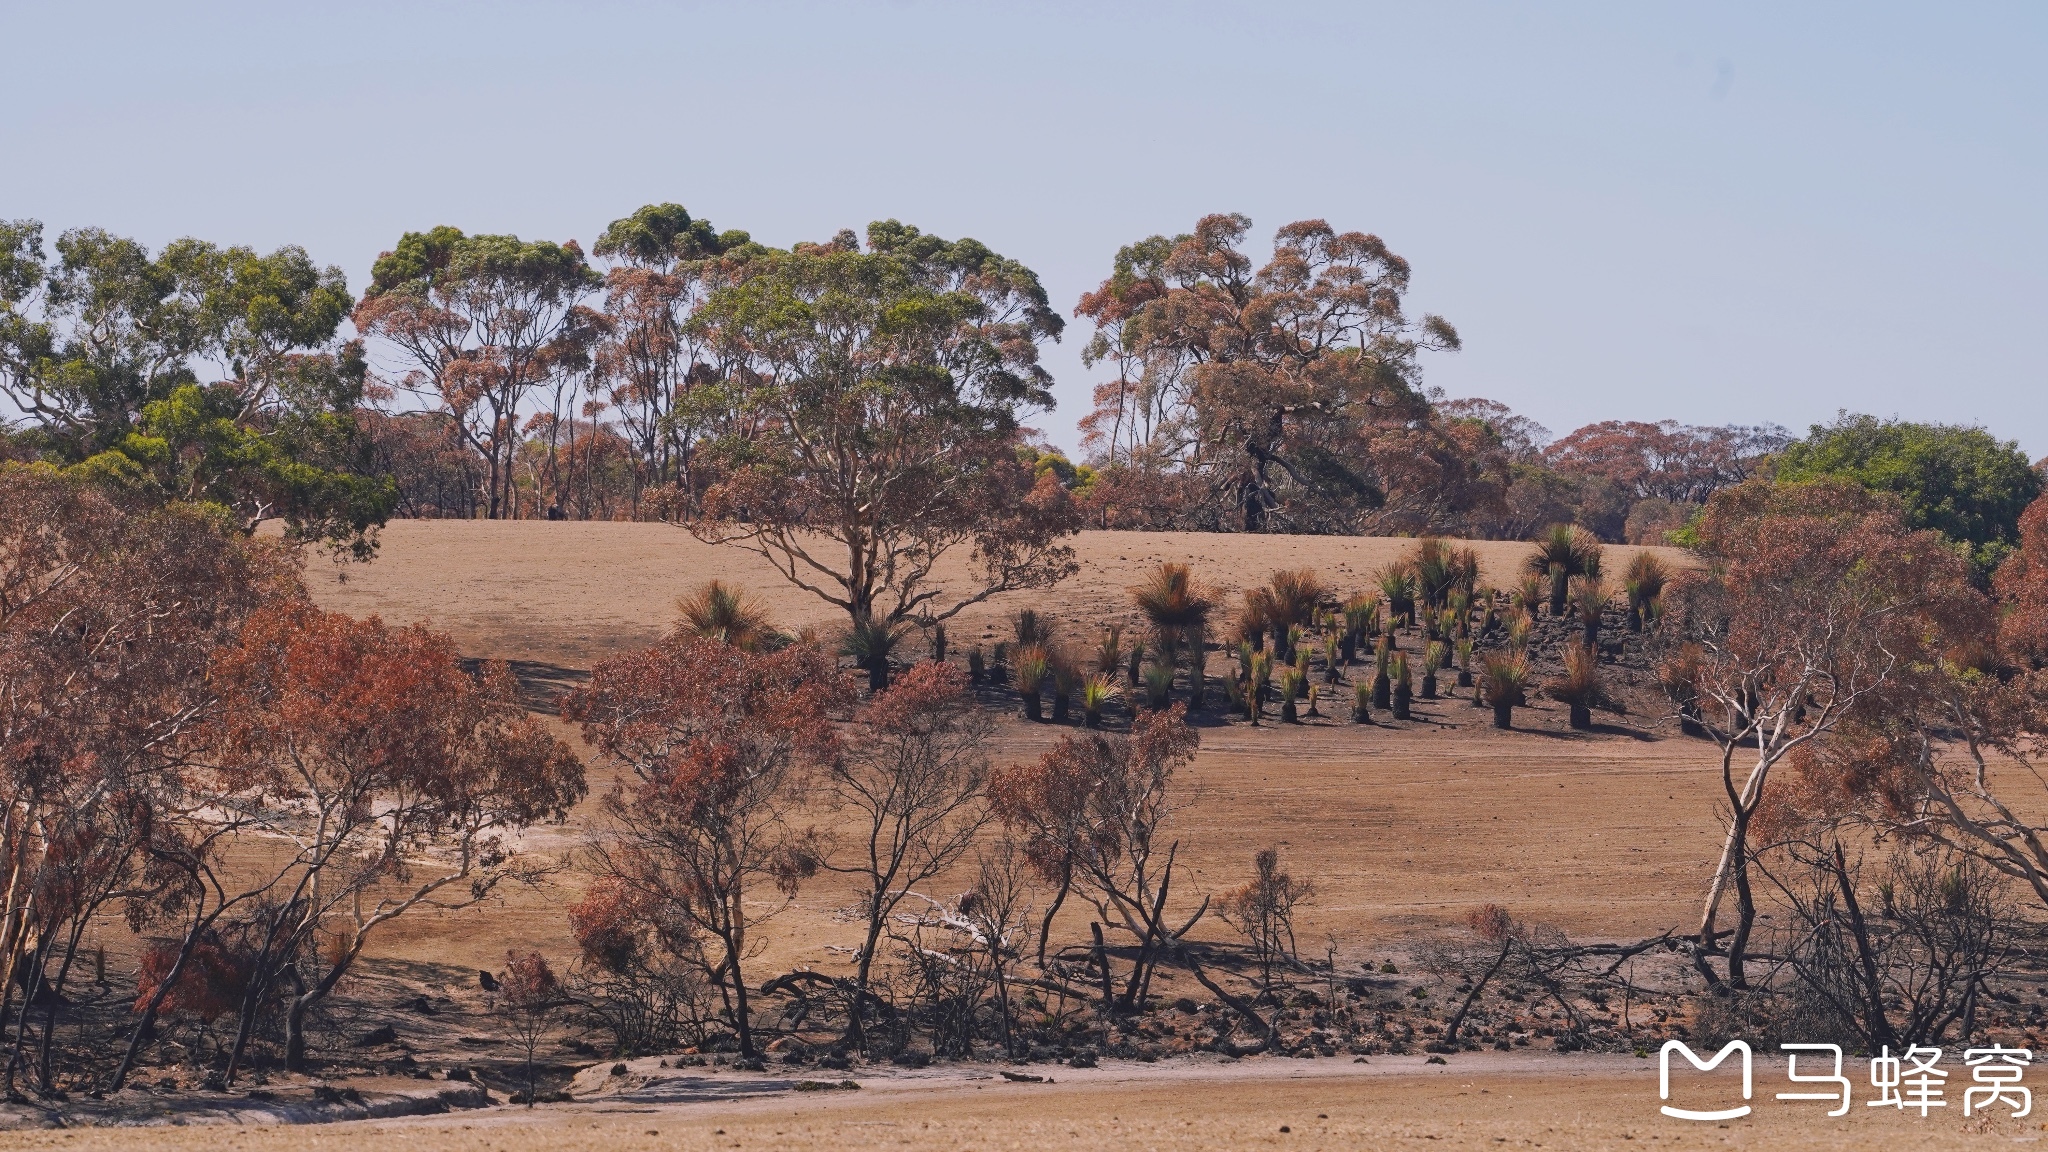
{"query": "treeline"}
(490, 376)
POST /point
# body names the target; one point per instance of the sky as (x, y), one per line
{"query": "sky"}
(1726, 213)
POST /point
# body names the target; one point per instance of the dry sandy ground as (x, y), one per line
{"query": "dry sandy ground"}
(1401, 828)
(1477, 1101)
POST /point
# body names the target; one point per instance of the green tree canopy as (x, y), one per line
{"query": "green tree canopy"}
(880, 392)
(102, 352)
(481, 321)
(1959, 481)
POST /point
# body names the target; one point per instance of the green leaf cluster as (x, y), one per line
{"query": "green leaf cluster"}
(1960, 481)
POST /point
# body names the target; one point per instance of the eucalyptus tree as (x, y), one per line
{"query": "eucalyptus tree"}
(201, 374)
(873, 418)
(651, 355)
(480, 322)
(1293, 389)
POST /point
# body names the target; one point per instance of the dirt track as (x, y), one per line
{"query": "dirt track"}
(1476, 1101)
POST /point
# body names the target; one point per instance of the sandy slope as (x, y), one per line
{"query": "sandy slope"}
(1401, 828)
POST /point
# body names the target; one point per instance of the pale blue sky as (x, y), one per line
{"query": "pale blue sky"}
(1726, 212)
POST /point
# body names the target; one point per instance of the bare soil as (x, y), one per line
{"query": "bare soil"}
(1481, 1101)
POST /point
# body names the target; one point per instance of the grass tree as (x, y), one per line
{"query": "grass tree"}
(1562, 552)
(1382, 682)
(1109, 653)
(1177, 608)
(1065, 677)
(1258, 681)
(1396, 583)
(1361, 621)
(1504, 683)
(1402, 695)
(1034, 670)
(1097, 693)
(1588, 599)
(870, 644)
(718, 611)
(1290, 691)
(1578, 688)
(1442, 572)
(1644, 582)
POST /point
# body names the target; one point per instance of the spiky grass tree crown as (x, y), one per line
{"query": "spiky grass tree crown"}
(1294, 596)
(1396, 583)
(1170, 598)
(1588, 596)
(1442, 571)
(1580, 682)
(1034, 665)
(1033, 629)
(1506, 679)
(718, 611)
(1109, 654)
(1357, 612)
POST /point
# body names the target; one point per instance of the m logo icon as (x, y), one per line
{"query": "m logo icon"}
(1664, 1079)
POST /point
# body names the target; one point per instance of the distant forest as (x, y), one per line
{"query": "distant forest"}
(678, 371)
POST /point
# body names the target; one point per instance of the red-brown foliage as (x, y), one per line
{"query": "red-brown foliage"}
(723, 747)
(2022, 586)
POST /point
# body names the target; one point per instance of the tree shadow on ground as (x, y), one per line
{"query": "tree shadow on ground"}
(541, 685)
